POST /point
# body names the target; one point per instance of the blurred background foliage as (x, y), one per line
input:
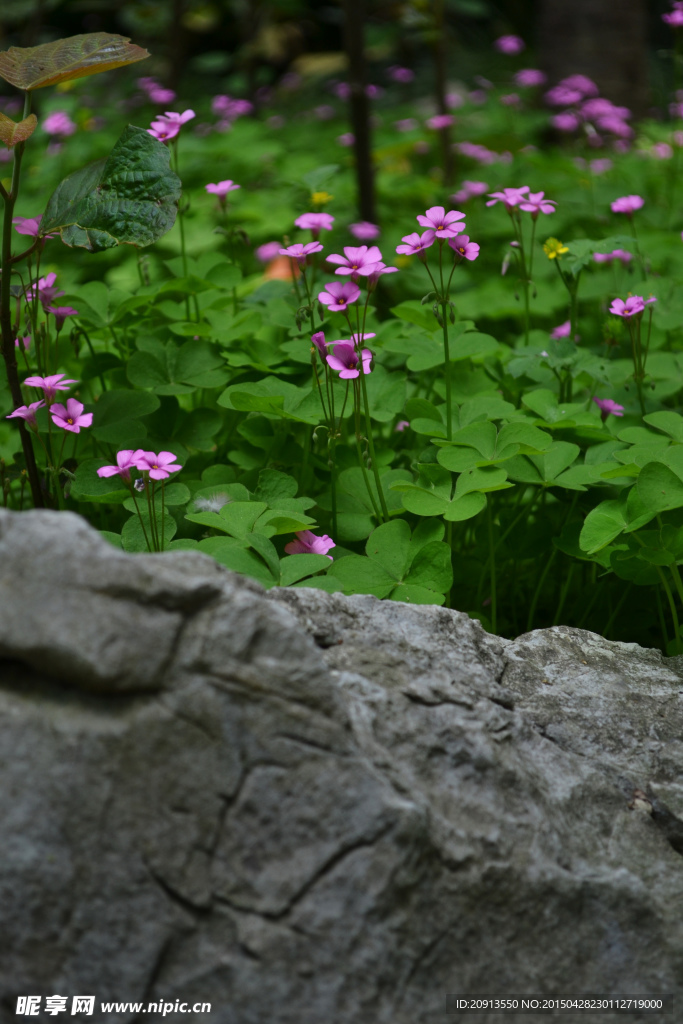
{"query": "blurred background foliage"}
(241, 46)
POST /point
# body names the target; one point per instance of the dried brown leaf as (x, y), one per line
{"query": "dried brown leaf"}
(34, 67)
(12, 132)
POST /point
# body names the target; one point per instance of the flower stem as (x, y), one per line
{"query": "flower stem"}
(361, 460)
(8, 349)
(492, 557)
(371, 445)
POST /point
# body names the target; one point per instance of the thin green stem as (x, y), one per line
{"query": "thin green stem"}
(492, 559)
(371, 446)
(537, 592)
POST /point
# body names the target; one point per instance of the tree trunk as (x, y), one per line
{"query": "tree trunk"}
(603, 39)
(354, 38)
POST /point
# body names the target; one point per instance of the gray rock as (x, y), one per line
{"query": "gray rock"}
(302, 807)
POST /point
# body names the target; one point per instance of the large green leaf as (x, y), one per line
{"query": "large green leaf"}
(131, 196)
(34, 67)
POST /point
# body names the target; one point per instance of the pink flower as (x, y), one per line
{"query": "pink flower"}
(535, 204)
(463, 248)
(627, 205)
(474, 151)
(342, 90)
(318, 339)
(527, 78)
(440, 121)
(563, 96)
(60, 313)
(511, 45)
(45, 290)
(222, 188)
(230, 109)
(402, 75)
(125, 461)
(315, 222)
(28, 413)
(29, 226)
(268, 251)
(364, 231)
(307, 543)
(634, 305)
(440, 223)
(401, 426)
(324, 112)
(71, 416)
(25, 341)
(345, 360)
(566, 121)
(607, 406)
(299, 252)
(416, 243)
(338, 295)
(609, 257)
(511, 197)
(406, 124)
(168, 125)
(662, 150)
(601, 165)
(158, 466)
(346, 139)
(59, 124)
(380, 269)
(357, 261)
(161, 96)
(50, 385)
(582, 84)
(674, 19)
(469, 190)
(510, 99)
(562, 330)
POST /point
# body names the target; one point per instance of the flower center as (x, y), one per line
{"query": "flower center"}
(70, 421)
(461, 250)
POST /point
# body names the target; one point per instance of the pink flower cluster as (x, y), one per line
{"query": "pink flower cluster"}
(510, 45)
(168, 125)
(533, 203)
(609, 257)
(607, 406)
(222, 189)
(228, 110)
(443, 226)
(528, 78)
(158, 466)
(627, 205)
(69, 417)
(58, 124)
(585, 109)
(480, 154)
(675, 18)
(155, 92)
(361, 261)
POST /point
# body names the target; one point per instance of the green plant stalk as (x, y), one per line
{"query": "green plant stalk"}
(537, 592)
(617, 608)
(371, 446)
(150, 509)
(8, 349)
(446, 349)
(361, 460)
(662, 620)
(163, 512)
(672, 605)
(492, 558)
(137, 509)
(563, 594)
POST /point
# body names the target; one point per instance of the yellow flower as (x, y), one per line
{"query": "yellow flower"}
(320, 198)
(553, 248)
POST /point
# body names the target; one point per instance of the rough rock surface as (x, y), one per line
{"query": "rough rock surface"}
(310, 809)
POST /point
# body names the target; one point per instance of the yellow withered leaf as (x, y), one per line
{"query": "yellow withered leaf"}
(34, 67)
(12, 132)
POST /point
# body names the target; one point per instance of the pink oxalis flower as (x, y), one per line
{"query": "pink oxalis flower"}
(415, 243)
(50, 385)
(300, 252)
(307, 543)
(338, 295)
(562, 330)
(315, 222)
(364, 231)
(463, 248)
(634, 305)
(125, 461)
(345, 360)
(627, 205)
(45, 290)
(222, 188)
(358, 261)
(535, 203)
(60, 313)
(510, 197)
(27, 413)
(440, 223)
(58, 124)
(511, 45)
(607, 406)
(70, 416)
(158, 466)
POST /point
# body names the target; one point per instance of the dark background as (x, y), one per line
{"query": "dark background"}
(244, 45)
